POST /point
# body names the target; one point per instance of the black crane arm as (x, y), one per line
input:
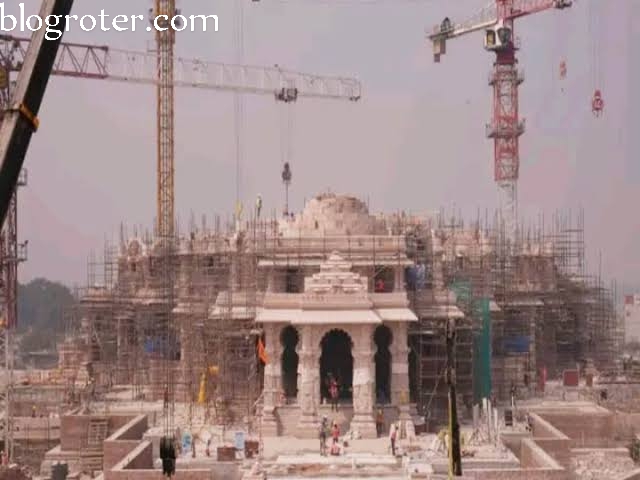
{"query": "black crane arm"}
(21, 120)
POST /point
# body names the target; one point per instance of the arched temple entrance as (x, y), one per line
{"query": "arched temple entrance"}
(383, 338)
(336, 361)
(289, 339)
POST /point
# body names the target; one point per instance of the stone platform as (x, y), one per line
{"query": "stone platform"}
(348, 466)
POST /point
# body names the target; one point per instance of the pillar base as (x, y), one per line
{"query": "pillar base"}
(407, 428)
(269, 423)
(364, 424)
(404, 413)
(307, 426)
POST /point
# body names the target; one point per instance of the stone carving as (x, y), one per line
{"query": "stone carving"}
(307, 379)
(331, 214)
(307, 397)
(336, 277)
(134, 249)
(362, 398)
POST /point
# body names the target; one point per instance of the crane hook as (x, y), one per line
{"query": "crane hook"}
(597, 103)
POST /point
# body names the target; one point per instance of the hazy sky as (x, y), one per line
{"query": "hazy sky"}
(416, 140)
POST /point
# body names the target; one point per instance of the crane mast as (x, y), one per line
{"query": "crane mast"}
(506, 127)
(165, 41)
(164, 14)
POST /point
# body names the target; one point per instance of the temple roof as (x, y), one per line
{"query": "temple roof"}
(335, 295)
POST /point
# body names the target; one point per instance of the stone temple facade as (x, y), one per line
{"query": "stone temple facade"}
(337, 291)
(336, 299)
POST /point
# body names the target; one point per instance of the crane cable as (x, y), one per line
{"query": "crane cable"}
(594, 28)
(286, 116)
(562, 90)
(595, 36)
(238, 98)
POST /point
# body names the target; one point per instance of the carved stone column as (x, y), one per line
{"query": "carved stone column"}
(398, 283)
(400, 369)
(437, 274)
(299, 373)
(271, 286)
(308, 361)
(272, 380)
(363, 384)
(187, 362)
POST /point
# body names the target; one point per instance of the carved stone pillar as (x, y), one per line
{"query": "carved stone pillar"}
(308, 361)
(400, 369)
(272, 380)
(437, 275)
(363, 384)
(298, 373)
(398, 283)
(271, 287)
(187, 355)
(123, 357)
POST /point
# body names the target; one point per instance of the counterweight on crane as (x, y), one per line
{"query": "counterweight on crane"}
(497, 21)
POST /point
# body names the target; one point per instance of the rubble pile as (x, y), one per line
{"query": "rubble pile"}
(14, 472)
(600, 466)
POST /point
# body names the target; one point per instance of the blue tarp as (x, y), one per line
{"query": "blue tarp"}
(239, 437)
(186, 443)
(153, 345)
(518, 344)
(416, 277)
(157, 346)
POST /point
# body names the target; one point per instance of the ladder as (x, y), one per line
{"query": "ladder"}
(92, 455)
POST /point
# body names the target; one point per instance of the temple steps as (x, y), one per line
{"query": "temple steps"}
(289, 415)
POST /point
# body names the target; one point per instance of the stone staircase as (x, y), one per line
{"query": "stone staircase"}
(93, 454)
(343, 416)
(289, 415)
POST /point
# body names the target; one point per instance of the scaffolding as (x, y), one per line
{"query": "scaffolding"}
(520, 307)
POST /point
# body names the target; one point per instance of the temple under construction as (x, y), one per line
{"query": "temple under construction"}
(263, 311)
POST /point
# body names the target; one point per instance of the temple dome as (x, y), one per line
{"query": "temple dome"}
(332, 214)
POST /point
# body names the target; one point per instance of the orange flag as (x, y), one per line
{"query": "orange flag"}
(262, 352)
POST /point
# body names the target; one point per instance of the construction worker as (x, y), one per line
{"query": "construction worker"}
(323, 436)
(333, 393)
(335, 433)
(380, 422)
(166, 398)
(258, 206)
(392, 437)
(33, 411)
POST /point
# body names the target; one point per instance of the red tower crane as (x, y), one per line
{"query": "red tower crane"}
(497, 20)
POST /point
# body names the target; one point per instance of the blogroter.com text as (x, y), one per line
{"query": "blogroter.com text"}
(19, 21)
